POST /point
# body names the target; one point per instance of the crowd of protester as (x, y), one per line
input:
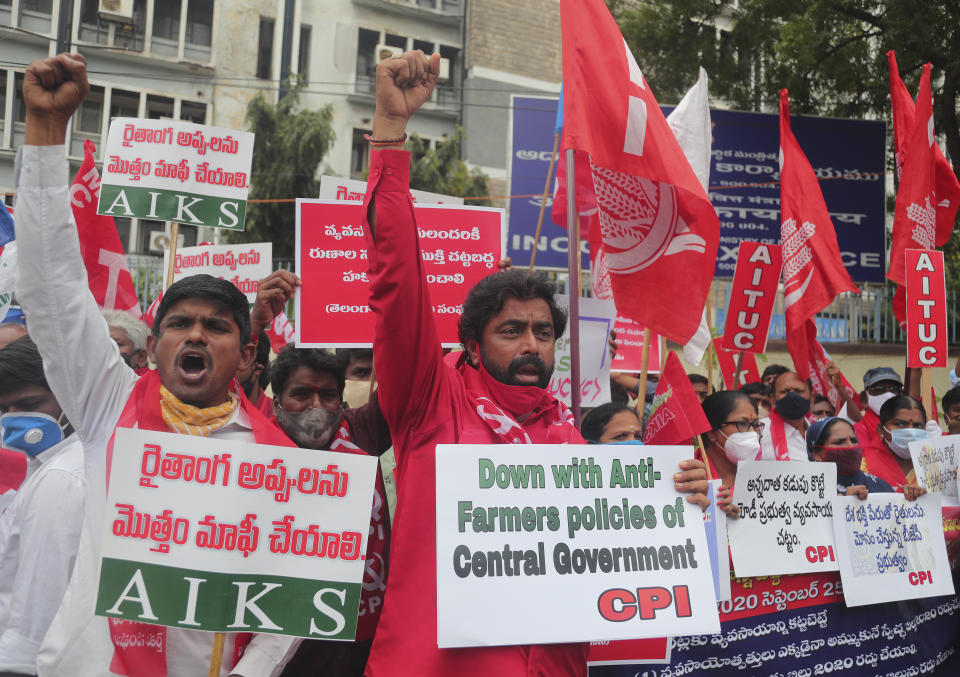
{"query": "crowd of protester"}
(71, 375)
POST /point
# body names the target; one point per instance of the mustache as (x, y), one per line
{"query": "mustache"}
(527, 361)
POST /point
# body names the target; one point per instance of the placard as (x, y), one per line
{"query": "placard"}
(926, 309)
(538, 544)
(596, 320)
(752, 295)
(935, 465)
(335, 188)
(458, 245)
(890, 548)
(242, 264)
(629, 357)
(727, 362)
(715, 521)
(209, 534)
(170, 170)
(785, 522)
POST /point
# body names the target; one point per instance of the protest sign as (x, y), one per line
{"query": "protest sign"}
(676, 416)
(335, 188)
(458, 245)
(537, 545)
(935, 464)
(242, 264)
(183, 546)
(176, 171)
(629, 355)
(784, 525)
(890, 548)
(926, 309)
(653, 650)
(752, 295)
(596, 320)
(727, 361)
(715, 522)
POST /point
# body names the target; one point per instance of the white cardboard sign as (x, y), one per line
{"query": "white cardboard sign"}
(540, 543)
(242, 264)
(935, 463)
(335, 188)
(597, 318)
(785, 522)
(891, 548)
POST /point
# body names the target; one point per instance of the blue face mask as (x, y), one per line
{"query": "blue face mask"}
(900, 440)
(627, 442)
(30, 432)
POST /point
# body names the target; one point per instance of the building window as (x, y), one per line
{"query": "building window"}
(359, 154)
(265, 49)
(395, 41)
(367, 42)
(124, 104)
(303, 64)
(166, 19)
(159, 107)
(19, 105)
(199, 22)
(193, 111)
(41, 6)
(123, 230)
(88, 119)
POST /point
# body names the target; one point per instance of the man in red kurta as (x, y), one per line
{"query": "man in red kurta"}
(493, 392)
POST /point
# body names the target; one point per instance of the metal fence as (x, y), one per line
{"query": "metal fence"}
(852, 318)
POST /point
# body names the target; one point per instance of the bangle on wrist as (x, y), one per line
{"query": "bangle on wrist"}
(386, 142)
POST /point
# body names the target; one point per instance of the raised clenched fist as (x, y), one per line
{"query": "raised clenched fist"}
(53, 89)
(404, 84)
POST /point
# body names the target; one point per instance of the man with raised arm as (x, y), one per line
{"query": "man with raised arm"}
(492, 393)
(200, 338)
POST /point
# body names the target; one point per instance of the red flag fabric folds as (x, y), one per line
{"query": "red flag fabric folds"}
(103, 253)
(676, 416)
(586, 200)
(659, 230)
(813, 273)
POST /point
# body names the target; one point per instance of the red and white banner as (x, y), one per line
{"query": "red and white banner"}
(280, 332)
(629, 355)
(659, 230)
(459, 246)
(103, 255)
(676, 416)
(752, 296)
(727, 361)
(819, 379)
(926, 309)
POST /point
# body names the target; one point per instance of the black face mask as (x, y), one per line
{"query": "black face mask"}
(792, 406)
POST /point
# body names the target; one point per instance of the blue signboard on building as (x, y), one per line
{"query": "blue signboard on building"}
(848, 156)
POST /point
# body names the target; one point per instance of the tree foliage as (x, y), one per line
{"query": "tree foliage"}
(830, 55)
(289, 145)
(440, 170)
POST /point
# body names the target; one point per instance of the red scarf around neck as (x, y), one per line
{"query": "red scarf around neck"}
(139, 649)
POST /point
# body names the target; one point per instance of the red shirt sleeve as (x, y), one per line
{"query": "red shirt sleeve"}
(406, 347)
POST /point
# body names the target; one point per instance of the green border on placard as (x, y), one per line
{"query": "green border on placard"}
(208, 210)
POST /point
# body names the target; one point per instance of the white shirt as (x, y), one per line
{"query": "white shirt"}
(796, 442)
(92, 383)
(39, 536)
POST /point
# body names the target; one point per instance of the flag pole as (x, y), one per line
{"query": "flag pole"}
(709, 342)
(926, 390)
(573, 269)
(736, 375)
(644, 365)
(217, 656)
(543, 202)
(171, 264)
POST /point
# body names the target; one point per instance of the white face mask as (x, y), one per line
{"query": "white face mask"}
(900, 439)
(874, 402)
(742, 446)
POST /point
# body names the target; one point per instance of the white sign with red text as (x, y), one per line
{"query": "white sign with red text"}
(242, 264)
(335, 188)
(890, 548)
(209, 534)
(597, 318)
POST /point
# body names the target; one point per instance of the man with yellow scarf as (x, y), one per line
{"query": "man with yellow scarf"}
(200, 339)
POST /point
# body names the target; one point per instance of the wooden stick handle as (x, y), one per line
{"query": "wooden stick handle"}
(171, 264)
(543, 202)
(216, 658)
(644, 366)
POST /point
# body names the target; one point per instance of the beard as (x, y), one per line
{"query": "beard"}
(508, 374)
(310, 429)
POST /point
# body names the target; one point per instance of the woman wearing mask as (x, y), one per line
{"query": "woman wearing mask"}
(902, 420)
(734, 436)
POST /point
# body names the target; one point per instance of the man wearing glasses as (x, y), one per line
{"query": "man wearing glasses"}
(880, 384)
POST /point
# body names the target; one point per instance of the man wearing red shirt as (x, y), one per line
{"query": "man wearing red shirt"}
(493, 392)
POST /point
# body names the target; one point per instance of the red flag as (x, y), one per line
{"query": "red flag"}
(915, 217)
(676, 416)
(280, 332)
(727, 362)
(103, 254)
(945, 180)
(660, 232)
(586, 199)
(818, 358)
(813, 273)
